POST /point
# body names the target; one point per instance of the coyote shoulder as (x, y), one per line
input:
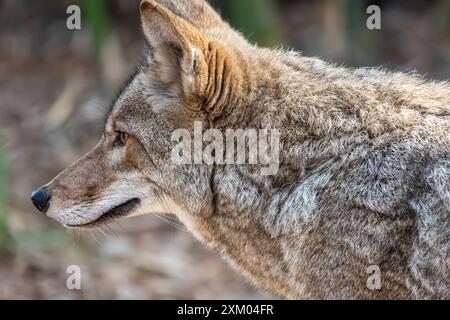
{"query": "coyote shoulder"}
(363, 173)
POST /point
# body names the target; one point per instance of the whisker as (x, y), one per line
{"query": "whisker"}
(93, 235)
(111, 229)
(100, 229)
(171, 223)
(166, 219)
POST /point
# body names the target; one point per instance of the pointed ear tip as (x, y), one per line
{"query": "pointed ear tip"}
(148, 4)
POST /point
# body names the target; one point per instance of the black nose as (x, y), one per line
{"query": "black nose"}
(41, 199)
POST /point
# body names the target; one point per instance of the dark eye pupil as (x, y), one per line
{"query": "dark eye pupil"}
(120, 140)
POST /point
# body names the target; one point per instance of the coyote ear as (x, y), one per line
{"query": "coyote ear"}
(178, 51)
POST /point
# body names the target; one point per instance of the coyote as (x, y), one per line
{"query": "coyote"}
(363, 181)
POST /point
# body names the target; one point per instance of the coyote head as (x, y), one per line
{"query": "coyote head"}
(187, 76)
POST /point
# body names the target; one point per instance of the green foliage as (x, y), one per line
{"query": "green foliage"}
(4, 231)
(360, 47)
(99, 21)
(36, 238)
(41, 239)
(444, 9)
(256, 19)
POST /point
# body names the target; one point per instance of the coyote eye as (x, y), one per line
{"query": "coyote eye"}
(121, 139)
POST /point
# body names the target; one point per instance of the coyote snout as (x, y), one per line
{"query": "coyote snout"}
(41, 199)
(98, 188)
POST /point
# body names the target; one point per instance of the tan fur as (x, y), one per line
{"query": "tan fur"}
(364, 175)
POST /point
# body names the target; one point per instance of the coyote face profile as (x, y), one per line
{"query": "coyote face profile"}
(363, 174)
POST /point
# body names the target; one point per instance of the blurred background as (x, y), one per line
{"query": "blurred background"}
(56, 83)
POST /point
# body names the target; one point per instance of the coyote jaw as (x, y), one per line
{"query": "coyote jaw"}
(119, 212)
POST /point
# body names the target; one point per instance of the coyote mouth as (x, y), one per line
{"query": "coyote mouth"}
(115, 213)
